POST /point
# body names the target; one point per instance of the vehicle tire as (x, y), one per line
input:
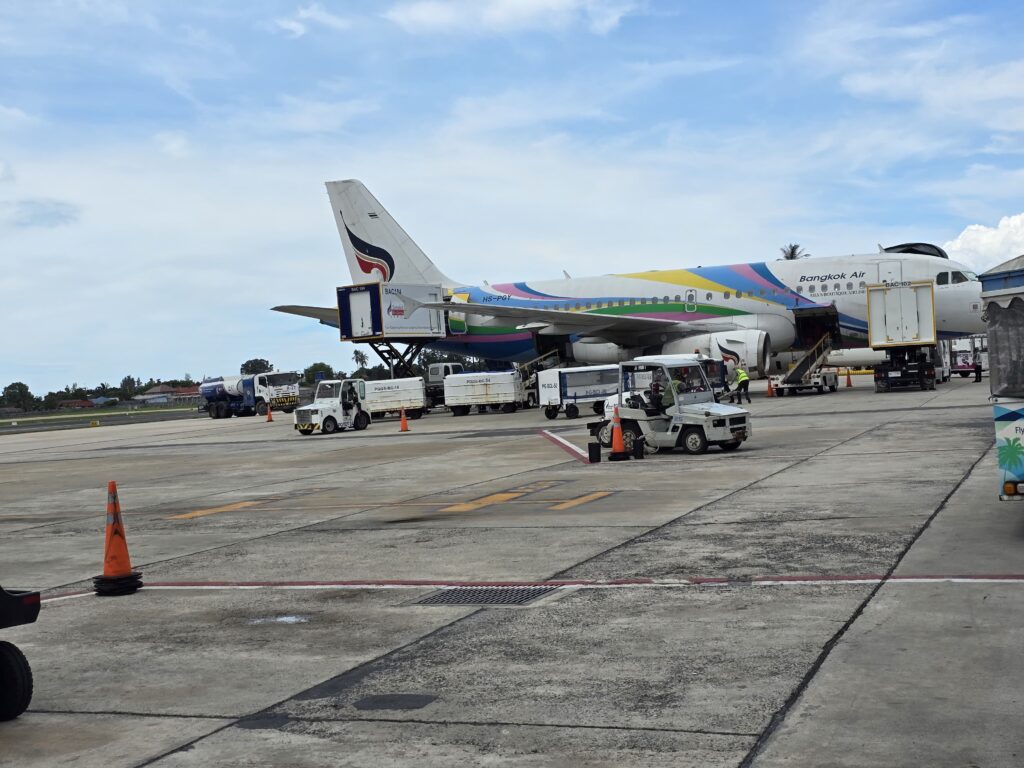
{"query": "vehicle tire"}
(305, 431)
(931, 384)
(508, 407)
(604, 435)
(15, 681)
(212, 411)
(223, 411)
(460, 410)
(415, 413)
(261, 408)
(598, 408)
(329, 426)
(694, 441)
(732, 445)
(630, 436)
(832, 387)
(551, 412)
(288, 410)
(964, 374)
(821, 389)
(361, 421)
(572, 411)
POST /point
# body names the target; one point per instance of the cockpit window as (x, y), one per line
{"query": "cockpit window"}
(942, 278)
(959, 277)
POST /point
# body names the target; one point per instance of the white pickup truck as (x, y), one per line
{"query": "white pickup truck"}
(337, 406)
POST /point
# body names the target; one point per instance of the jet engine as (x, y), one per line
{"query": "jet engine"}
(752, 347)
(599, 352)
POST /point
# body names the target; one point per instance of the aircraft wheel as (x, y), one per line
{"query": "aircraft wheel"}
(572, 411)
(551, 412)
(329, 426)
(15, 681)
(694, 442)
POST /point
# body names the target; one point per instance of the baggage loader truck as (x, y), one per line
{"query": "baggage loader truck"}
(502, 390)
(250, 395)
(17, 607)
(337, 406)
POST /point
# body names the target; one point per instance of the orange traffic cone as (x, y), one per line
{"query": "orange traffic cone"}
(118, 577)
(270, 413)
(404, 423)
(619, 452)
(849, 379)
(771, 389)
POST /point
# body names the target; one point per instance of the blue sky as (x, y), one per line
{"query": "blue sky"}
(162, 164)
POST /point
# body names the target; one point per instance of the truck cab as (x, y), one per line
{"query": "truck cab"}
(670, 403)
(337, 406)
(436, 373)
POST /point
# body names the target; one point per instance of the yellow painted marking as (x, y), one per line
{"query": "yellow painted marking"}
(484, 501)
(580, 500)
(226, 508)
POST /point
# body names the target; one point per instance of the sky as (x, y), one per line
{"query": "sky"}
(162, 163)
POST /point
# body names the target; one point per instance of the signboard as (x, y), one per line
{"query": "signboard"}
(377, 312)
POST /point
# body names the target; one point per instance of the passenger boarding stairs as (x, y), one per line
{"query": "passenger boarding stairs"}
(811, 362)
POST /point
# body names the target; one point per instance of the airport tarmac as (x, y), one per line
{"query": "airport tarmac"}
(844, 590)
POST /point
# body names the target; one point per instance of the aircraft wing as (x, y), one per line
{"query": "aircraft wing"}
(326, 315)
(560, 321)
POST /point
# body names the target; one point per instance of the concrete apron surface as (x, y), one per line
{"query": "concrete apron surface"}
(845, 590)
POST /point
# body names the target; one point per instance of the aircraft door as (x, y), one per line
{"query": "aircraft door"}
(890, 272)
(690, 301)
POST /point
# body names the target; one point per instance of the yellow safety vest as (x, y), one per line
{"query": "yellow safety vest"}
(741, 375)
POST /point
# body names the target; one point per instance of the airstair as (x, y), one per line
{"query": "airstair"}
(808, 373)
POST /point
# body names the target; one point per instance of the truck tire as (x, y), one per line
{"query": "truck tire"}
(361, 421)
(415, 413)
(305, 431)
(289, 410)
(821, 389)
(211, 411)
(329, 426)
(833, 387)
(508, 407)
(694, 441)
(604, 435)
(551, 412)
(223, 411)
(15, 681)
(630, 437)
(732, 445)
(572, 411)
(261, 408)
(964, 374)
(460, 410)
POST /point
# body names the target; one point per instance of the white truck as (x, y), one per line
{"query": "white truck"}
(227, 396)
(436, 373)
(669, 403)
(569, 388)
(337, 406)
(502, 390)
(392, 395)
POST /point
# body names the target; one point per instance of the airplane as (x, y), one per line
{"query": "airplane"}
(739, 312)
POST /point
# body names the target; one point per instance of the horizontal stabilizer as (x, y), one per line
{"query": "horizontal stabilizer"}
(326, 315)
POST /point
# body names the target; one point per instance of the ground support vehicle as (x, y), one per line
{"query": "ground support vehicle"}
(964, 351)
(17, 607)
(337, 406)
(809, 372)
(669, 403)
(569, 389)
(1002, 298)
(392, 395)
(436, 373)
(910, 367)
(250, 395)
(497, 390)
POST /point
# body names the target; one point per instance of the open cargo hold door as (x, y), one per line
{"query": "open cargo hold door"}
(814, 323)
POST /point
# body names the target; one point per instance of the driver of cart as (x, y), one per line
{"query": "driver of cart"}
(659, 390)
(349, 397)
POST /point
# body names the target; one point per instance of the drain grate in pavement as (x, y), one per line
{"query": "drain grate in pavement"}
(485, 596)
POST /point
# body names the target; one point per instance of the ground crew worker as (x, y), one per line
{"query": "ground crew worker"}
(742, 385)
(977, 365)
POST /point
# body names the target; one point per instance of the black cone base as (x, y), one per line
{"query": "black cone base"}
(109, 586)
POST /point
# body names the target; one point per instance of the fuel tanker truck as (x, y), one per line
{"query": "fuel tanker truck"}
(250, 395)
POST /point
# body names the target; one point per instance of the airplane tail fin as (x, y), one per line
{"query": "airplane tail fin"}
(376, 248)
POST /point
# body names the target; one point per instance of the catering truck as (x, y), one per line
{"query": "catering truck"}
(17, 607)
(1002, 296)
(567, 389)
(498, 390)
(392, 395)
(228, 396)
(901, 321)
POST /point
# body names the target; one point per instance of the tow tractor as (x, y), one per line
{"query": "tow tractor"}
(337, 406)
(16, 607)
(669, 403)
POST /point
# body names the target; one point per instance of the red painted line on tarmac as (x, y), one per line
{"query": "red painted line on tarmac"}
(566, 446)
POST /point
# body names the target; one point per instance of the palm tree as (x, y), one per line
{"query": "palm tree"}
(360, 358)
(1010, 455)
(793, 251)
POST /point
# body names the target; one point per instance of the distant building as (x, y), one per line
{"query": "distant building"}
(71, 404)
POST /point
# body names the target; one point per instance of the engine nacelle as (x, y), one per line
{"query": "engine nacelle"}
(751, 347)
(600, 352)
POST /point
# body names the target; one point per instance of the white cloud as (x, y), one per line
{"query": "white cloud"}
(311, 15)
(12, 117)
(6, 171)
(502, 16)
(41, 212)
(984, 247)
(303, 115)
(173, 144)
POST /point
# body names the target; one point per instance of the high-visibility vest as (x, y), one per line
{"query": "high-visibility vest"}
(741, 375)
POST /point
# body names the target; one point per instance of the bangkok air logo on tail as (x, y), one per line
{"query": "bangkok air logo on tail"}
(371, 257)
